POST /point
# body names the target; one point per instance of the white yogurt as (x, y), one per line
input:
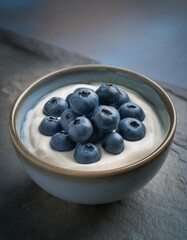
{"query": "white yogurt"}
(39, 144)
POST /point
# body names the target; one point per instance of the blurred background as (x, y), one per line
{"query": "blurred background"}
(149, 37)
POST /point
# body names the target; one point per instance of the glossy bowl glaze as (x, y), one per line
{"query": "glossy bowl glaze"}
(93, 187)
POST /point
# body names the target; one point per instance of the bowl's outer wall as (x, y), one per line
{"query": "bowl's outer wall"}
(94, 190)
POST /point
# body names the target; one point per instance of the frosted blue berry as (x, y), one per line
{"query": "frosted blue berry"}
(62, 142)
(55, 107)
(80, 129)
(133, 110)
(49, 126)
(113, 143)
(131, 129)
(83, 101)
(86, 153)
(105, 118)
(108, 94)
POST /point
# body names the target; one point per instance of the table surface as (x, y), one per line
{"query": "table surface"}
(157, 211)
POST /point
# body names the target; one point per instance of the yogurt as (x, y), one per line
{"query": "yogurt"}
(39, 144)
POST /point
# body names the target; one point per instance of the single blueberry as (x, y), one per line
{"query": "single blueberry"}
(105, 118)
(49, 126)
(130, 109)
(80, 129)
(131, 129)
(113, 143)
(55, 107)
(123, 98)
(62, 142)
(83, 101)
(67, 117)
(108, 94)
(86, 153)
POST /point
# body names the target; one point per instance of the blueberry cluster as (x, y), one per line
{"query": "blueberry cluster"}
(88, 117)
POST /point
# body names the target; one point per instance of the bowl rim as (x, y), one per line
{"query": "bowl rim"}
(32, 159)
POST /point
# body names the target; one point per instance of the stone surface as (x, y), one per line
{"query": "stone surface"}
(157, 211)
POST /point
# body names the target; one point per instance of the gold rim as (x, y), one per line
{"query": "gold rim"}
(30, 158)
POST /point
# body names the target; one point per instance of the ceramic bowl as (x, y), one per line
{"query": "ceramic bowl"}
(93, 187)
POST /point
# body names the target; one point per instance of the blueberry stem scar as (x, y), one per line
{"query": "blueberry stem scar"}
(134, 124)
(88, 147)
(106, 111)
(76, 122)
(131, 106)
(68, 116)
(53, 101)
(84, 94)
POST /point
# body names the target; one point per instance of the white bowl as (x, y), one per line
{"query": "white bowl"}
(93, 187)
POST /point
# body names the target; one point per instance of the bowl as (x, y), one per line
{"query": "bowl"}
(102, 186)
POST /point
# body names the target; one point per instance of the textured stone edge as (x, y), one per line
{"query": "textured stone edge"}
(37, 47)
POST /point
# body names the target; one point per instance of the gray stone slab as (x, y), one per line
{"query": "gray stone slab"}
(157, 211)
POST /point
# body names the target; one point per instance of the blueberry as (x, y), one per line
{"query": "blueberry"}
(108, 94)
(131, 129)
(105, 118)
(67, 117)
(62, 142)
(130, 109)
(123, 98)
(49, 126)
(80, 129)
(55, 107)
(113, 143)
(86, 153)
(83, 101)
